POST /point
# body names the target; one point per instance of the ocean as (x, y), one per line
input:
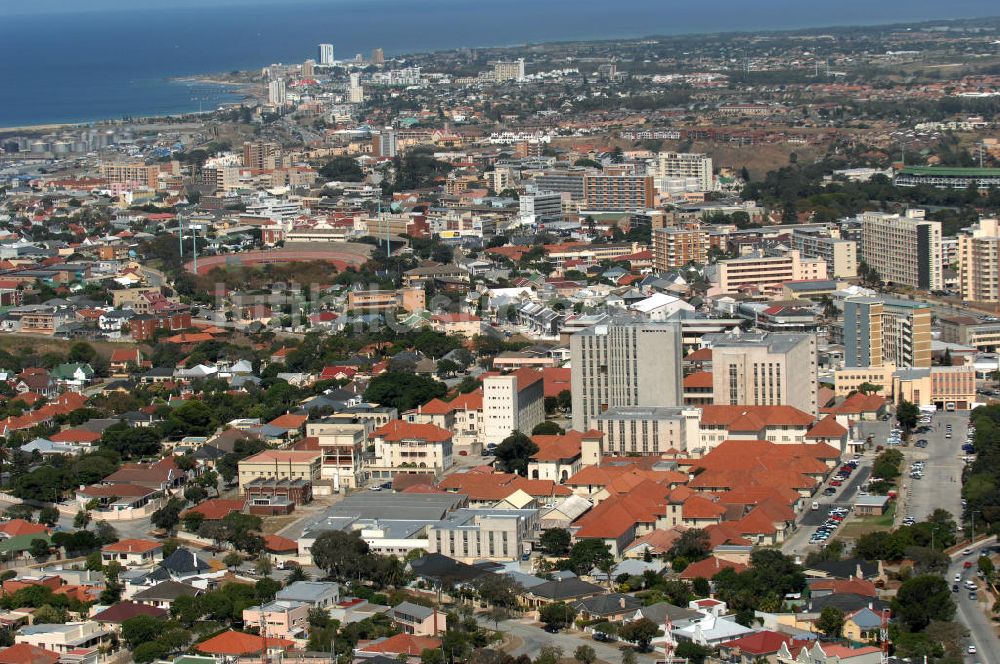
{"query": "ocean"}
(80, 67)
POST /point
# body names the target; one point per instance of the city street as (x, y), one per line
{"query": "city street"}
(974, 614)
(798, 543)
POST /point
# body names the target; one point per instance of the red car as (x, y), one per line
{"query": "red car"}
(967, 564)
(836, 483)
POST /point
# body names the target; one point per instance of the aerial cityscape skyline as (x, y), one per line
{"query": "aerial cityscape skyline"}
(381, 331)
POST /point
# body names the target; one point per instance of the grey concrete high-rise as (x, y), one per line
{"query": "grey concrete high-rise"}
(624, 363)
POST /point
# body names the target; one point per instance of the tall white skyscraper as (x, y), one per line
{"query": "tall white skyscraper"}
(326, 54)
(624, 364)
(276, 93)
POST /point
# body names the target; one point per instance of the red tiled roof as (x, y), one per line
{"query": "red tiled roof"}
(753, 418)
(289, 421)
(398, 430)
(699, 379)
(760, 643)
(852, 586)
(484, 486)
(556, 447)
(24, 653)
(828, 427)
(240, 643)
(409, 644)
(556, 380)
(75, 436)
(709, 567)
(216, 508)
(132, 546)
(700, 355)
(16, 527)
(279, 544)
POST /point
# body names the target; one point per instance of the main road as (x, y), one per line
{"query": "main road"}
(974, 613)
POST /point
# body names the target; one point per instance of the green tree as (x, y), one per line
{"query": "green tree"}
(48, 515)
(830, 621)
(692, 652)
(693, 545)
(907, 413)
(557, 614)
(547, 428)
(342, 169)
(168, 516)
(192, 418)
(343, 556)
(641, 632)
(140, 629)
(513, 452)
(38, 548)
(403, 391)
(49, 615)
(498, 590)
(585, 654)
(588, 554)
(555, 541)
(922, 599)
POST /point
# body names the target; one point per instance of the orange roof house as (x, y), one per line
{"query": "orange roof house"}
(709, 567)
(24, 653)
(240, 644)
(411, 645)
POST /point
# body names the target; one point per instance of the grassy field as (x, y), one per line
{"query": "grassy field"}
(26, 344)
(859, 526)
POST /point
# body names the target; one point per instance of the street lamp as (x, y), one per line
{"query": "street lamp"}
(194, 244)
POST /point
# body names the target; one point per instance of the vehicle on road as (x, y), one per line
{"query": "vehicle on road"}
(967, 552)
(972, 650)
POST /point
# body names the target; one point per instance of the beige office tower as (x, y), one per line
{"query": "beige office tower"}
(624, 363)
(378, 56)
(764, 369)
(903, 249)
(979, 261)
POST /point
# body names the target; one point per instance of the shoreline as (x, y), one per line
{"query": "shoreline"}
(247, 89)
(246, 92)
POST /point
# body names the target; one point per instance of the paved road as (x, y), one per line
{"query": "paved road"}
(974, 614)
(534, 637)
(798, 543)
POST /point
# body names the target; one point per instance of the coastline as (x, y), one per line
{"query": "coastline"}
(245, 89)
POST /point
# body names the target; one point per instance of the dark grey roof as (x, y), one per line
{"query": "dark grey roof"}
(845, 569)
(168, 591)
(184, 561)
(418, 611)
(658, 613)
(437, 567)
(567, 589)
(607, 605)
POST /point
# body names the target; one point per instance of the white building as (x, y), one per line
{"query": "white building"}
(512, 402)
(509, 71)
(674, 165)
(326, 54)
(542, 207)
(276, 95)
(355, 92)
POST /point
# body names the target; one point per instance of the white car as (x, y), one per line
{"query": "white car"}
(972, 650)
(967, 552)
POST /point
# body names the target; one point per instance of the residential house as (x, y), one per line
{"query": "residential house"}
(283, 618)
(418, 619)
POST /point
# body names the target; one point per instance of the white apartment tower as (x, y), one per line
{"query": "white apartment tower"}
(687, 165)
(326, 54)
(276, 93)
(903, 249)
(624, 364)
(512, 402)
